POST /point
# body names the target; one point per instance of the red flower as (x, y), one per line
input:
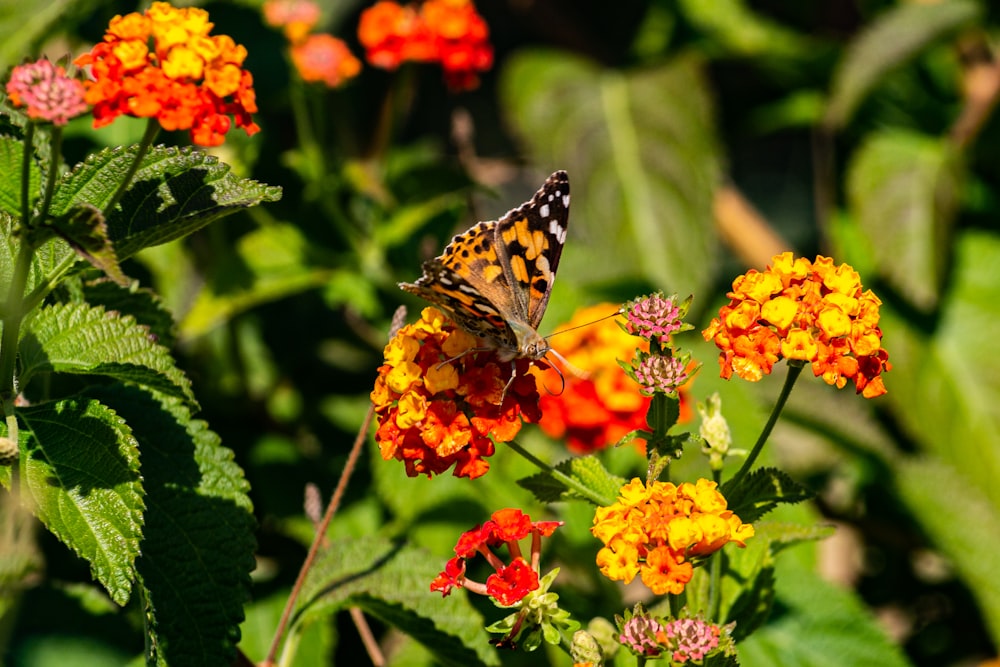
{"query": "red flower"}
(449, 32)
(510, 583)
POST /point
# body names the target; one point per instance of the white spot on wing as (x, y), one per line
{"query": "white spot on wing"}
(543, 210)
(566, 201)
(558, 231)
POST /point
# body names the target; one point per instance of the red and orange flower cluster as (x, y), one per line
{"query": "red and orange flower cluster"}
(318, 57)
(511, 582)
(807, 311)
(163, 64)
(438, 400)
(449, 32)
(601, 408)
(656, 530)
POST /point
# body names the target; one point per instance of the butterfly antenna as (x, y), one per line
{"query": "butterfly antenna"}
(587, 324)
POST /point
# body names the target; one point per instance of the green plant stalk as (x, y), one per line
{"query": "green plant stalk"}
(568, 481)
(29, 140)
(794, 369)
(715, 571)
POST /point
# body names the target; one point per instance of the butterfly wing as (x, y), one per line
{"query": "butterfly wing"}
(529, 242)
(501, 272)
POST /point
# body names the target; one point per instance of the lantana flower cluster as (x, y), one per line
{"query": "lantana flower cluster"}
(46, 92)
(598, 409)
(449, 32)
(438, 399)
(163, 64)
(318, 57)
(510, 582)
(679, 640)
(806, 311)
(655, 318)
(658, 530)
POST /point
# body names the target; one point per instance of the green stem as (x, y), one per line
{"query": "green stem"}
(715, 571)
(11, 332)
(793, 374)
(152, 129)
(29, 139)
(50, 181)
(567, 481)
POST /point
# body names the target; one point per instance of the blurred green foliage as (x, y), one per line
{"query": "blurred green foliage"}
(858, 130)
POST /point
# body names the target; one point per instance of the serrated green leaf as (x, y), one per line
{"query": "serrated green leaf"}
(392, 582)
(79, 338)
(587, 470)
(761, 491)
(79, 465)
(903, 190)
(884, 44)
(175, 192)
(11, 155)
(143, 304)
(198, 539)
(83, 228)
(966, 527)
(648, 166)
(276, 262)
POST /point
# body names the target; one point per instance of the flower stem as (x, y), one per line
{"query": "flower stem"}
(567, 481)
(152, 129)
(715, 571)
(29, 138)
(793, 374)
(320, 537)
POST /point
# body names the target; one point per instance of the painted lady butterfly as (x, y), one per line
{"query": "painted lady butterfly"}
(495, 279)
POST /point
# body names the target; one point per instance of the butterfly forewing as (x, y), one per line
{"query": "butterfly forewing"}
(529, 241)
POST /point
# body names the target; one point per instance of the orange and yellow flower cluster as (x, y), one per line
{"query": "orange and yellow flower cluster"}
(511, 582)
(449, 32)
(656, 531)
(807, 311)
(439, 400)
(163, 64)
(318, 57)
(599, 409)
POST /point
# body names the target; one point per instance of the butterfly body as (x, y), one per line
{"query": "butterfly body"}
(494, 280)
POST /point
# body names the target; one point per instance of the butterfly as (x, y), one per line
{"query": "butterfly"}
(494, 280)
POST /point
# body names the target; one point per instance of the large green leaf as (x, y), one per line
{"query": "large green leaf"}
(886, 43)
(903, 191)
(392, 583)
(642, 159)
(198, 542)
(944, 386)
(175, 192)
(79, 338)
(819, 625)
(79, 466)
(966, 527)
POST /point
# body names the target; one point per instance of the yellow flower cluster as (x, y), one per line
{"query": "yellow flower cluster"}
(656, 530)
